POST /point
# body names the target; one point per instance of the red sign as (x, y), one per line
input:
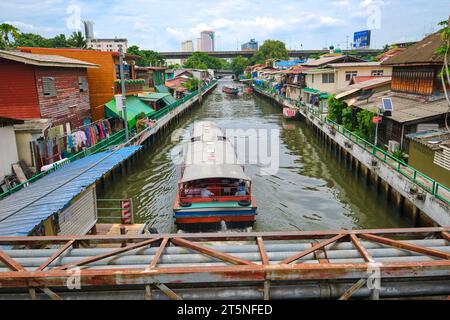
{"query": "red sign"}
(376, 119)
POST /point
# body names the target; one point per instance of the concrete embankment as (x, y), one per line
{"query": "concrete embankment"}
(413, 193)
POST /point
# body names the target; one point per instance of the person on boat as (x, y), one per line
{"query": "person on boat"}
(241, 189)
(205, 193)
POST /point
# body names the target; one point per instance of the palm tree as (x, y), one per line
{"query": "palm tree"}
(7, 32)
(77, 40)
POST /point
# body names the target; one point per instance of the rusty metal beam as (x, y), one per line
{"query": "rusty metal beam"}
(233, 273)
(362, 251)
(406, 246)
(106, 255)
(172, 295)
(446, 235)
(262, 251)
(158, 253)
(312, 249)
(237, 236)
(10, 262)
(358, 285)
(50, 293)
(210, 252)
(54, 256)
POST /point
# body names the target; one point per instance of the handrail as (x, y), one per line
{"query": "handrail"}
(433, 187)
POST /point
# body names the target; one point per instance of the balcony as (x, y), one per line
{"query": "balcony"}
(132, 86)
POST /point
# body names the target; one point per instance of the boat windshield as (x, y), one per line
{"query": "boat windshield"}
(217, 189)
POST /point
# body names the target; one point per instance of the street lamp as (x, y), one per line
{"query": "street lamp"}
(124, 99)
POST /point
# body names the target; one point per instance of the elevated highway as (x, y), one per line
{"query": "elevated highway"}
(248, 54)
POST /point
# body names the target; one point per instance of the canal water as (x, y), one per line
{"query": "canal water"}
(312, 190)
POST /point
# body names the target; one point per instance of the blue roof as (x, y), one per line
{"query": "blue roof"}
(22, 211)
(288, 63)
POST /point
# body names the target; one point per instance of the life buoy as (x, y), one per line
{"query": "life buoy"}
(185, 204)
(244, 203)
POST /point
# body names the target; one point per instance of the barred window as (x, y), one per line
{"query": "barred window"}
(49, 87)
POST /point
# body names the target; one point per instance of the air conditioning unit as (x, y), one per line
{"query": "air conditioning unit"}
(393, 146)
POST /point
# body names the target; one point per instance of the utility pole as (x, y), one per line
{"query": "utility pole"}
(124, 99)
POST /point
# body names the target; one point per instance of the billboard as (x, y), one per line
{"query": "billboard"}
(361, 39)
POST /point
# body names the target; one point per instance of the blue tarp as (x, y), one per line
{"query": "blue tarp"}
(22, 211)
(285, 64)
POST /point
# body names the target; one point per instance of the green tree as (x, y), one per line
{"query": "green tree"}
(238, 65)
(366, 127)
(191, 84)
(7, 33)
(347, 118)
(335, 109)
(201, 60)
(59, 41)
(147, 57)
(270, 49)
(31, 40)
(77, 40)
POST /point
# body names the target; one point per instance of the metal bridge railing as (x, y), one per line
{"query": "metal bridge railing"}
(433, 187)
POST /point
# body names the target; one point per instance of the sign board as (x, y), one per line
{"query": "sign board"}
(361, 39)
(119, 104)
(376, 119)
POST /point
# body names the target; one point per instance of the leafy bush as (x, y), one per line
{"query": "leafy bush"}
(335, 109)
(366, 126)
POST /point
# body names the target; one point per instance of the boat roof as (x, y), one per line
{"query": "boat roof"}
(206, 131)
(211, 159)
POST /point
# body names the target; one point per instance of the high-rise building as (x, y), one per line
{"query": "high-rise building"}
(252, 45)
(89, 29)
(207, 40)
(109, 44)
(187, 46)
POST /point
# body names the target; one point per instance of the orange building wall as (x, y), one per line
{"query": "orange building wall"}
(101, 79)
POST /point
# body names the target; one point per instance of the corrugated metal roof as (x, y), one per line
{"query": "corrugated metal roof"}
(22, 211)
(161, 88)
(45, 60)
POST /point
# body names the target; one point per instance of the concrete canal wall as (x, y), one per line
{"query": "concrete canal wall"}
(412, 199)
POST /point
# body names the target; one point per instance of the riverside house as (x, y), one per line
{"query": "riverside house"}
(103, 81)
(416, 93)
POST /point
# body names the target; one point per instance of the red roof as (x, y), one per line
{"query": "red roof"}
(176, 83)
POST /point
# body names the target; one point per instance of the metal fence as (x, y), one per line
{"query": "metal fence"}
(430, 185)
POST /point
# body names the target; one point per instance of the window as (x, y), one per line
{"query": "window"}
(350, 74)
(48, 86)
(83, 84)
(328, 78)
(377, 72)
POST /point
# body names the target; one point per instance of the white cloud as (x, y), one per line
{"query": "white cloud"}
(26, 27)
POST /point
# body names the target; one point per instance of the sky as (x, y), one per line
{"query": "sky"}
(163, 25)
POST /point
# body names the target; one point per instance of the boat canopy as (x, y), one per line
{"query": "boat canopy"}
(206, 131)
(207, 171)
(208, 159)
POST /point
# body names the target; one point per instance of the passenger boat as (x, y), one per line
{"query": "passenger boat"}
(230, 89)
(289, 113)
(213, 188)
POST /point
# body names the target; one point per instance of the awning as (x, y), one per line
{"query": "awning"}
(346, 93)
(323, 95)
(311, 90)
(161, 88)
(135, 106)
(169, 99)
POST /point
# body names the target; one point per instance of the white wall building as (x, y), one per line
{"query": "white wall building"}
(207, 41)
(187, 46)
(108, 44)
